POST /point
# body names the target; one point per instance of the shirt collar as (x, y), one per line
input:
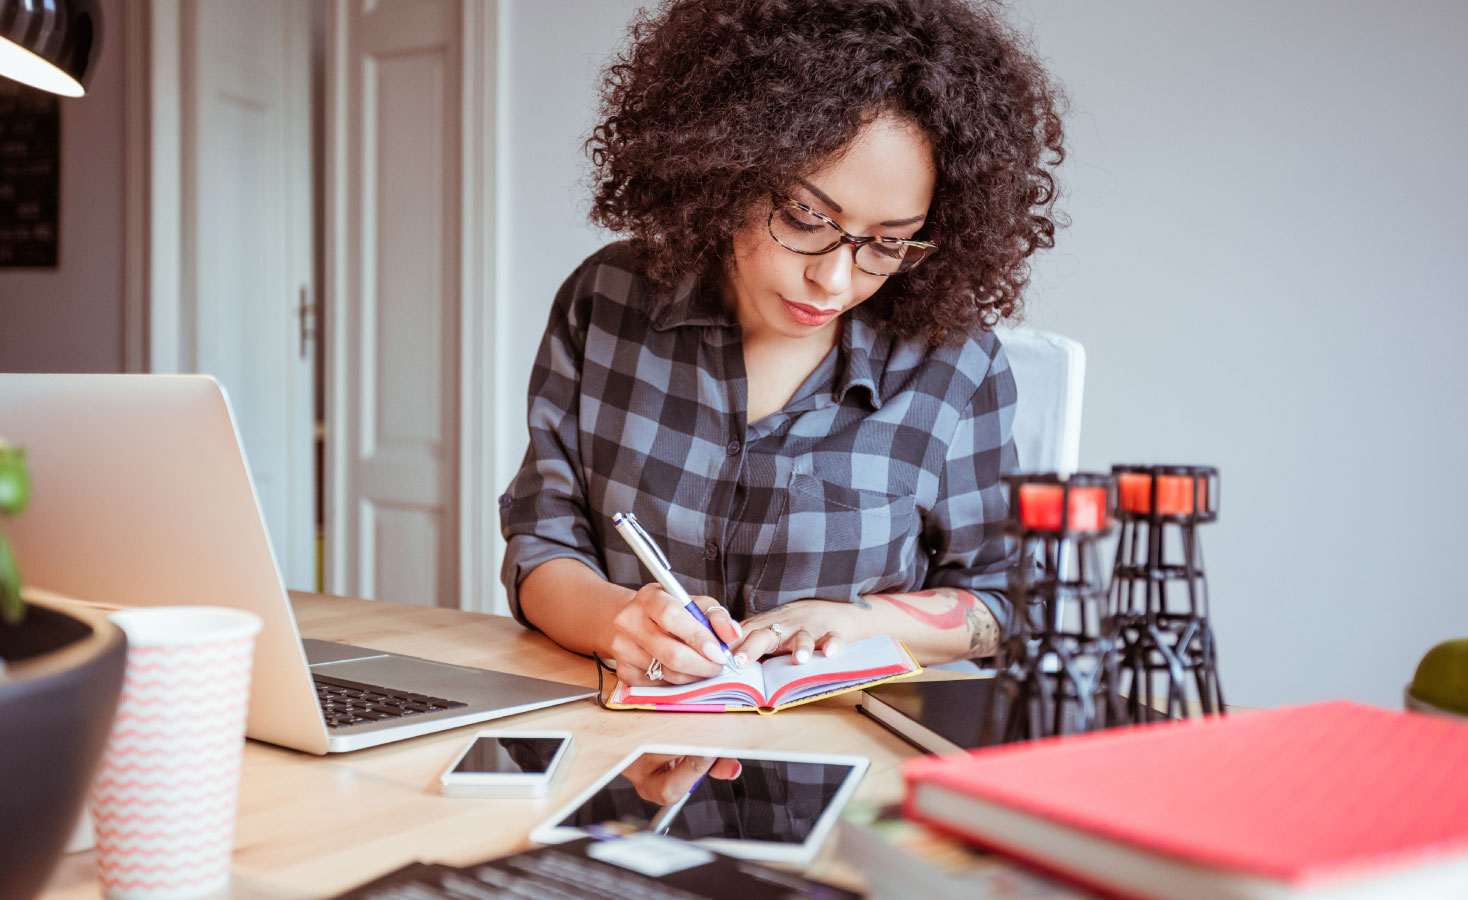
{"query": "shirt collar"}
(864, 348)
(690, 304)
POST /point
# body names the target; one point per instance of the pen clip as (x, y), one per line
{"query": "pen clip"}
(636, 526)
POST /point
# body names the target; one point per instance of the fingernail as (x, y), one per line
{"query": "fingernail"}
(740, 659)
(712, 651)
(738, 631)
(833, 648)
(738, 767)
(802, 656)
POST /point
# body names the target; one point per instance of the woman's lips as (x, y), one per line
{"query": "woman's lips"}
(808, 315)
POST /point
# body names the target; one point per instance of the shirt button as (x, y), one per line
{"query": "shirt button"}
(732, 449)
(505, 501)
(710, 550)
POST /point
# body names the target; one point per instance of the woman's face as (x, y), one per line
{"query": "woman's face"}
(882, 185)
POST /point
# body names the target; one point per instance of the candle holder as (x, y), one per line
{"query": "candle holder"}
(1057, 665)
(1159, 593)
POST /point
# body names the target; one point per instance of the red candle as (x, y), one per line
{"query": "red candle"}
(1039, 507)
(1175, 493)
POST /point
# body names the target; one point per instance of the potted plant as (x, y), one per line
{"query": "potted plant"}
(61, 670)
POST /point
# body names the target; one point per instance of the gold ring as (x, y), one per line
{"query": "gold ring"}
(655, 670)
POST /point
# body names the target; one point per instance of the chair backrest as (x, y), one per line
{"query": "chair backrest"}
(1050, 373)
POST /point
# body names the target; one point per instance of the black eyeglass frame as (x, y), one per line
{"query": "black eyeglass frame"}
(843, 237)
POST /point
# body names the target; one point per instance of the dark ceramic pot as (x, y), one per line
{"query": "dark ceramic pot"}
(58, 694)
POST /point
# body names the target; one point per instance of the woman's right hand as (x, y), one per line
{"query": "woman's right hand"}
(653, 625)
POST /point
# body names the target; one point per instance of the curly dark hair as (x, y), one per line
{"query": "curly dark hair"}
(715, 103)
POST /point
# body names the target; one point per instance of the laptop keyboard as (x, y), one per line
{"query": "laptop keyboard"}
(346, 703)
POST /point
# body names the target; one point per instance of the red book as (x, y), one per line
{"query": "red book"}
(1332, 800)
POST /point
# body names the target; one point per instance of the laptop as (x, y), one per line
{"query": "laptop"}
(141, 496)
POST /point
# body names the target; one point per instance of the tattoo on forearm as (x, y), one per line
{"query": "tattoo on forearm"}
(862, 603)
(967, 613)
(952, 618)
(983, 634)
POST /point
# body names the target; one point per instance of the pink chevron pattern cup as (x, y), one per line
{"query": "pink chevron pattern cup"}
(165, 796)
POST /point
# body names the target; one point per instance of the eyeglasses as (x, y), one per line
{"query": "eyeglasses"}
(800, 229)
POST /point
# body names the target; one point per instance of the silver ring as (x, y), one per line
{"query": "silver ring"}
(713, 607)
(655, 670)
(777, 628)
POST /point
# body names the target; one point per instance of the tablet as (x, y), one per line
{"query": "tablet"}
(754, 804)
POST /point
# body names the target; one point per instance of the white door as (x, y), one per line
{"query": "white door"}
(246, 254)
(393, 136)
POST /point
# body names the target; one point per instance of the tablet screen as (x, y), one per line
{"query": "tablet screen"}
(736, 797)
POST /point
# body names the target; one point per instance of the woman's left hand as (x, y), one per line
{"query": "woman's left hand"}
(801, 629)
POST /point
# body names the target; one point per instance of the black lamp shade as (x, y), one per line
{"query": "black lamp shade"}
(50, 44)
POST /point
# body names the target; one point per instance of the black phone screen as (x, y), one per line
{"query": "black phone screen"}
(509, 755)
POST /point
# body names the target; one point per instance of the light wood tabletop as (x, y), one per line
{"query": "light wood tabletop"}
(311, 827)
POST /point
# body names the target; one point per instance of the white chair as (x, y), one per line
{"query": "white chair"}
(1049, 377)
(1049, 372)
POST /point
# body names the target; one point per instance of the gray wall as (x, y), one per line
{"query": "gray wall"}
(1266, 267)
(69, 319)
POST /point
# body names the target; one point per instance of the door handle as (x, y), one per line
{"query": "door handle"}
(306, 312)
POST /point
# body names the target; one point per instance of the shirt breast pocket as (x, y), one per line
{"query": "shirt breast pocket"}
(835, 542)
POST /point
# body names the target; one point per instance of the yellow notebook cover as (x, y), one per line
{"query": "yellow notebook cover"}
(778, 683)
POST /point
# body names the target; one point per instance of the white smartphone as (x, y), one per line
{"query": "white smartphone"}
(507, 764)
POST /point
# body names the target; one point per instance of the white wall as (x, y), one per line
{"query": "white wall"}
(1266, 267)
(69, 319)
(551, 58)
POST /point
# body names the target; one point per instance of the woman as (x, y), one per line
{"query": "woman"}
(786, 371)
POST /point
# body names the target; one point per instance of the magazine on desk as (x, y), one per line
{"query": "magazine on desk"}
(778, 682)
(900, 859)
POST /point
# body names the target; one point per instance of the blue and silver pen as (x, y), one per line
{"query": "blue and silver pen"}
(652, 557)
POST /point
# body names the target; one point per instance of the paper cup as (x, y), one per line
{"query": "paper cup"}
(163, 804)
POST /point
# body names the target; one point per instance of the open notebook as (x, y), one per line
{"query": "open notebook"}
(778, 682)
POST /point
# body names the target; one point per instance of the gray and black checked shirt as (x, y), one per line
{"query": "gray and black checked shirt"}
(880, 475)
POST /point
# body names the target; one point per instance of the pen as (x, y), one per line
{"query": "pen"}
(652, 557)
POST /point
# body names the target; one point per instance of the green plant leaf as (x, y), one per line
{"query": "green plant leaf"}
(15, 484)
(12, 608)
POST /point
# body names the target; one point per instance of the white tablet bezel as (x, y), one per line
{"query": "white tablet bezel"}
(548, 832)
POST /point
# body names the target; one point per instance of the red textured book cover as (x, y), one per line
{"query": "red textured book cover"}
(1296, 794)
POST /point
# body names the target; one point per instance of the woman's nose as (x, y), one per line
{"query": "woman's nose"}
(832, 271)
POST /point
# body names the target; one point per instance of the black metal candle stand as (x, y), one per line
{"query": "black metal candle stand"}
(1057, 676)
(1159, 603)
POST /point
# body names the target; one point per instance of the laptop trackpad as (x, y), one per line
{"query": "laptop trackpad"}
(318, 651)
(436, 679)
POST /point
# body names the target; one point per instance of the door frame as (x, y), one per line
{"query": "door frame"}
(479, 428)
(154, 317)
(481, 56)
(158, 317)
(137, 158)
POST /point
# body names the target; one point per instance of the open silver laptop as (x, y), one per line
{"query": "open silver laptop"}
(142, 497)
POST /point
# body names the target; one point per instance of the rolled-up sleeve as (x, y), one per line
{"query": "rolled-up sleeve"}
(964, 527)
(543, 513)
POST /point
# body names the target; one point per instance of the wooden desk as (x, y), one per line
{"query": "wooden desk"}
(313, 826)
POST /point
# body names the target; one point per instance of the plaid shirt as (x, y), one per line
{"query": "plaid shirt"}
(880, 475)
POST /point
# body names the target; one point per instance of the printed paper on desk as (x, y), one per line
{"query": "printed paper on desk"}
(778, 683)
